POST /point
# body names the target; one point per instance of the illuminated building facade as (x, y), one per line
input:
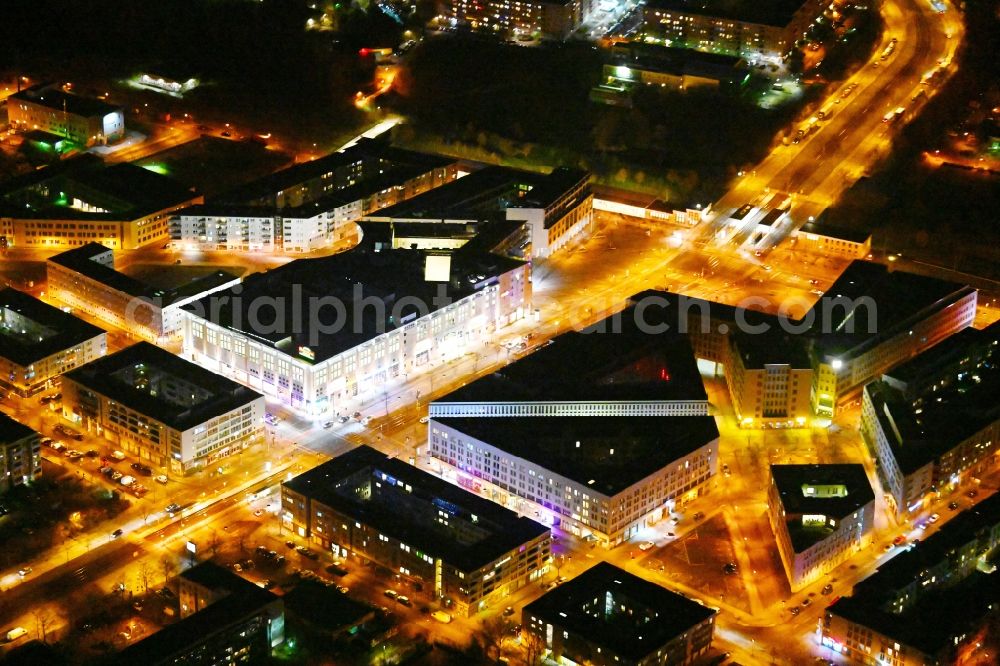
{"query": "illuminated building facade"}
(40, 343)
(78, 201)
(82, 120)
(821, 515)
(932, 604)
(468, 551)
(163, 410)
(20, 454)
(310, 205)
(85, 278)
(609, 617)
(935, 421)
(832, 241)
(555, 19)
(226, 620)
(648, 208)
(769, 377)
(379, 316)
(742, 28)
(602, 451)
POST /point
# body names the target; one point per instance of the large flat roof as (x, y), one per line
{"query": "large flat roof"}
(964, 348)
(775, 12)
(578, 605)
(831, 491)
(13, 431)
(606, 453)
(355, 279)
(480, 193)
(81, 260)
(62, 330)
(331, 484)
(772, 348)
(52, 97)
(222, 395)
(624, 364)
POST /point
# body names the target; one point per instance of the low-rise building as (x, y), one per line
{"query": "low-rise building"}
(85, 278)
(827, 239)
(226, 620)
(326, 611)
(648, 209)
(555, 19)
(932, 604)
(821, 515)
(81, 200)
(20, 454)
(162, 409)
(933, 422)
(41, 342)
(609, 617)
(318, 334)
(82, 120)
(743, 27)
(468, 552)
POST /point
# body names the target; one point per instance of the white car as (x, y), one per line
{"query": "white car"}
(424, 419)
(646, 545)
(934, 518)
(162, 478)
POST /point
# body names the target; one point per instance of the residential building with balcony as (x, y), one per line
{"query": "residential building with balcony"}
(467, 552)
(553, 19)
(165, 411)
(41, 342)
(20, 454)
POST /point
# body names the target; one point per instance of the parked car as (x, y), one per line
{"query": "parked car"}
(404, 600)
(827, 589)
(91, 453)
(934, 518)
(173, 508)
(117, 533)
(116, 475)
(646, 545)
(392, 594)
(161, 478)
(441, 616)
(118, 455)
(145, 470)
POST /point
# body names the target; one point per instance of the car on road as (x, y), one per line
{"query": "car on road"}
(328, 425)
(806, 602)
(73, 454)
(15, 633)
(173, 508)
(392, 594)
(934, 518)
(145, 470)
(46, 399)
(337, 570)
(343, 419)
(118, 455)
(725, 470)
(441, 616)
(161, 478)
(827, 589)
(424, 419)
(117, 533)
(116, 475)
(404, 600)
(306, 552)
(796, 610)
(24, 572)
(127, 480)
(953, 506)
(729, 568)
(68, 432)
(46, 441)
(343, 589)
(258, 513)
(899, 540)
(507, 612)
(971, 493)
(91, 453)
(271, 419)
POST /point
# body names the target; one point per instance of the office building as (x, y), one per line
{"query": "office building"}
(744, 28)
(20, 454)
(769, 378)
(327, 611)
(554, 209)
(311, 205)
(163, 410)
(553, 19)
(82, 120)
(600, 434)
(649, 209)
(467, 552)
(934, 422)
(85, 278)
(609, 617)
(932, 604)
(821, 515)
(830, 240)
(40, 343)
(320, 335)
(80, 200)
(225, 620)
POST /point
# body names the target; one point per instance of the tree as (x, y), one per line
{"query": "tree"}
(145, 574)
(492, 633)
(167, 566)
(43, 620)
(534, 648)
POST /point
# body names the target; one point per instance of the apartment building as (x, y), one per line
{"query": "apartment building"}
(932, 604)
(743, 28)
(163, 410)
(554, 19)
(609, 617)
(821, 515)
(20, 454)
(78, 201)
(468, 553)
(41, 342)
(934, 422)
(82, 120)
(311, 205)
(347, 327)
(85, 278)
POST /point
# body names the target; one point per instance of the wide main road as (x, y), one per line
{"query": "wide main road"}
(817, 170)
